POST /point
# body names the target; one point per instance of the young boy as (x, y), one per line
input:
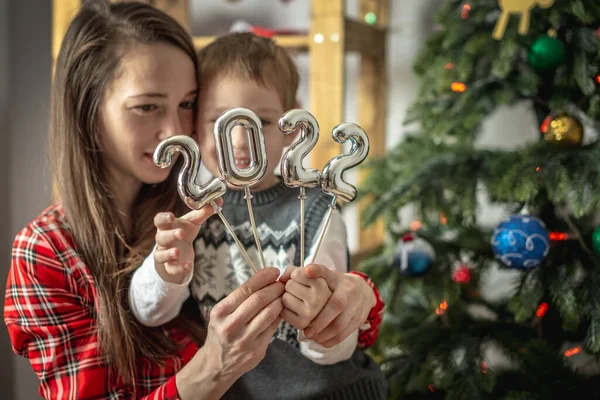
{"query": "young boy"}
(244, 70)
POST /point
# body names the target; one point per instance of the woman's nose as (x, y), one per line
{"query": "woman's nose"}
(171, 126)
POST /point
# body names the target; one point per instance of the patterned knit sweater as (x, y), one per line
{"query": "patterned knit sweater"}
(220, 268)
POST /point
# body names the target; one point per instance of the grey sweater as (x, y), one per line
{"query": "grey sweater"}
(285, 374)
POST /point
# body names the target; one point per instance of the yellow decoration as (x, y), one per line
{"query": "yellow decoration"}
(564, 130)
(522, 7)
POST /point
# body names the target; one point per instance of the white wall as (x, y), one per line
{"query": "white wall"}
(6, 367)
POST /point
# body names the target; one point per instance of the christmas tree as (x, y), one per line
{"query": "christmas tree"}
(441, 336)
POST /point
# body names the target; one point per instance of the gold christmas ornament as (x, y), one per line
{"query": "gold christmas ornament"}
(564, 130)
(521, 7)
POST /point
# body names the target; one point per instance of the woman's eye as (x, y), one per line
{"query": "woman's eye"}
(146, 107)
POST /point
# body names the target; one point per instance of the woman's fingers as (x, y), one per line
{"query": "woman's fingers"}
(256, 302)
(230, 304)
(264, 319)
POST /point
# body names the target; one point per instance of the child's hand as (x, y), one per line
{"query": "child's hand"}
(304, 297)
(174, 254)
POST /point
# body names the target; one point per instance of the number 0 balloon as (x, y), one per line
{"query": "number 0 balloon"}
(258, 156)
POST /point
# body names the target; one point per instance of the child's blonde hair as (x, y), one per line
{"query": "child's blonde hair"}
(254, 57)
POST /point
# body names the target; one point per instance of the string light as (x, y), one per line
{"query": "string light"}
(450, 66)
(431, 388)
(416, 225)
(573, 351)
(537, 169)
(484, 367)
(464, 14)
(458, 87)
(370, 18)
(443, 219)
(441, 309)
(558, 236)
(545, 124)
(598, 79)
(541, 310)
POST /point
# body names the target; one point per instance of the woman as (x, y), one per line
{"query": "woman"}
(125, 79)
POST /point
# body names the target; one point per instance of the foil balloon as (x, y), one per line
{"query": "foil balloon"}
(332, 179)
(194, 195)
(225, 155)
(258, 156)
(292, 171)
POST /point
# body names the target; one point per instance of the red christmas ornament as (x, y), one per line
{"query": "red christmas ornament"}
(545, 124)
(462, 275)
(408, 237)
(541, 310)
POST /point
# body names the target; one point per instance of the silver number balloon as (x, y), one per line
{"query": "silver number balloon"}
(258, 157)
(292, 171)
(258, 152)
(192, 194)
(332, 181)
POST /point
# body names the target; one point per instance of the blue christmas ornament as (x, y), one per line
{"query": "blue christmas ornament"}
(521, 241)
(414, 256)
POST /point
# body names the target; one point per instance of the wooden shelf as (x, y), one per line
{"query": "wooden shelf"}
(359, 37)
(295, 42)
(368, 40)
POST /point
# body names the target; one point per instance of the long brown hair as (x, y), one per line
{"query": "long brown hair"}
(87, 63)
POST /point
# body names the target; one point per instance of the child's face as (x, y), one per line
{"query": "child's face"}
(229, 91)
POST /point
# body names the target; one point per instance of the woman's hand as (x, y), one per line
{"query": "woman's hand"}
(239, 331)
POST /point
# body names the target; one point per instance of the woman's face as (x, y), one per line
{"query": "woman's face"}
(152, 97)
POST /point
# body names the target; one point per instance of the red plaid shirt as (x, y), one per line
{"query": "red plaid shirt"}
(49, 311)
(49, 308)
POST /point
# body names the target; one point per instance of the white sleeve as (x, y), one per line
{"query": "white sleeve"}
(334, 255)
(154, 301)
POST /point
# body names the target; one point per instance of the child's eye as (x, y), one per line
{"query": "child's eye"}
(188, 105)
(264, 122)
